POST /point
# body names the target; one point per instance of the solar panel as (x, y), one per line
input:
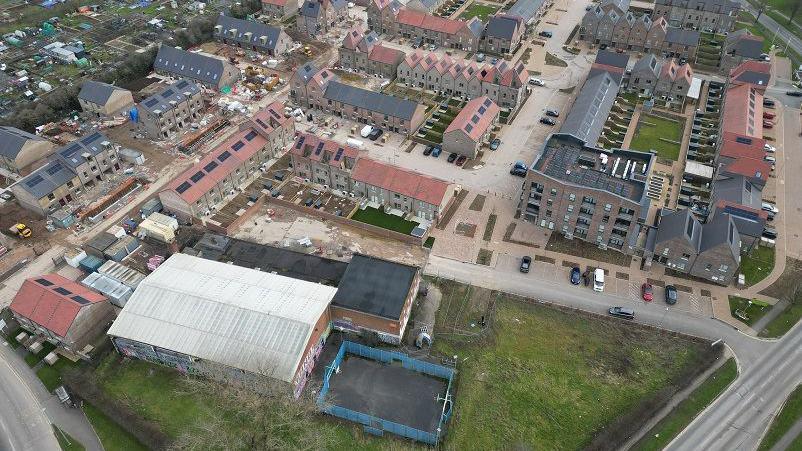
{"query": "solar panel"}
(62, 290)
(54, 168)
(197, 176)
(168, 93)
(210, 167)
(150, 102)
(249, 137)
(743, 140)
(300, 142)
(183, 187)
(70, 151)
(181, 84)
(44, 282)
(339, 154)
(89, 139)
(81, 300)
(274, 114)
(238, 145)
(482, 110)
(224, 156)
(468, 128)
(262, 123)
(319, 148)
(35, 180)
(475, 119)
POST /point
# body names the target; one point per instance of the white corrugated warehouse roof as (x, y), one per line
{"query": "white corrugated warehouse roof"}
(240, 317)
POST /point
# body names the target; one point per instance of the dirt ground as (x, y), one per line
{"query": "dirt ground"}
(332, 240)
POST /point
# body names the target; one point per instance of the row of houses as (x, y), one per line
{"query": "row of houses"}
(230, 166)
(661, 78)
(317, 17)
(213, 73)
(717, 16)
(252, 35)
(339, 167)
(171, 110)
(321, 90)
(364, 52)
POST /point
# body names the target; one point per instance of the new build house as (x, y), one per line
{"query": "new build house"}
(172, 110)
(19, 149)
(104, 100)
(471, 128)
(214, 73)
(252, 35)
(365, 53)
(718, 16)
(279, 9)
(316, 17)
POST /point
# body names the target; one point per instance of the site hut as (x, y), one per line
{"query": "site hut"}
(104, 100)
(471, 127)
(279, 9)
(224, 321)
(61, 311)
(251, 35)
(211, 72)
(169, 112)
(19, 149)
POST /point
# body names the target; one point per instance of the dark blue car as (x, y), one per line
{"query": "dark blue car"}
(576, 276)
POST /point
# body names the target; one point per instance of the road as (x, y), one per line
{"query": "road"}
(782, 35)
(769, 370)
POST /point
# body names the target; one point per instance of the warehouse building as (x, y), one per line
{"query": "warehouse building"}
(224, 321)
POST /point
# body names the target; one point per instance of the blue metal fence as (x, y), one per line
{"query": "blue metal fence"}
(376, 425)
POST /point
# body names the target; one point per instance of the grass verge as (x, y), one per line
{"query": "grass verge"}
(552, 60)
(682, 415)
(111, 435)
(491, 224)
(757, 265)
(788, 416)
(381, 219)
(659, 134)
(50, 375)
(66, 442)
(578, 248)
(429, 242)
(787, 319)
(748, 311)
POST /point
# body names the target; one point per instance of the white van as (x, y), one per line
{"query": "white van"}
(366, 131)
(598, 280)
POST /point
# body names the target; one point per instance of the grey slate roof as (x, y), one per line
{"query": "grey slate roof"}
(591, 108)
(97, 92)
(189, 65)
(72, 154)
(721, 230)
(757, 78)
(370, 100)
(375, 286)
(12, 140)
(623, 5)
(178, 92)
(46, 179)
(306, 72)
(682, 36)
(501, 27)
(525, 9)
(614, 59)
(476, 26)
(737, 189)
(647, 64)
(748, 221)
(310, 8)
(742, 43)
(257, 30)
(706, 5)
(675, 224)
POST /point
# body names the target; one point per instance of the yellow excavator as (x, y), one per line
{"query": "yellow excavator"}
(20, 230)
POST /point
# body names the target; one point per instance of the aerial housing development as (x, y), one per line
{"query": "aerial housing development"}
(381, 224)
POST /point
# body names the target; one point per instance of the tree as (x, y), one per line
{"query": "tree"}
(794, 10)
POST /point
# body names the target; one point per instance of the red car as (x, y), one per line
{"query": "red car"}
(647, 292)
(767, 115)
(461, 160)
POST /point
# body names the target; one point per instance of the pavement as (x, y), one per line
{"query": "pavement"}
(785, 442)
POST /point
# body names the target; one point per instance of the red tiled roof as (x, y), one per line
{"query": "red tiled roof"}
(352, 39)
(385, 55)
(401, 181)
(275, 2)
(749, 167)
(737, 113)
(734, 149)
(428, 22)
(483, 109)
(51, 309)
(761, 67)
(308, 142)
(722, 204)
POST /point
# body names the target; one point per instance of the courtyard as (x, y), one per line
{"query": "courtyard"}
(659, 134)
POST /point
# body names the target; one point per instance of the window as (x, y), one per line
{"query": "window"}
(69, 184)
(572, 197)
(608, 207)
(686, 256)
(723, 268)
(51, 196)
(554, 191)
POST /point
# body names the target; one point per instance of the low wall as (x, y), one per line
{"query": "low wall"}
(235, 224)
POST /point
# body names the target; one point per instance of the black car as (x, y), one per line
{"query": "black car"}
(526, 262)
(546, 34)
(794, 93)
(374, 135)
(308, 202)
(622, 312)
(576, 276)
(552, 113)
(603, 46)
(671, 294)
(770, 233)
(768, 103)
(494, 144)
(428, 150)
(547, 121)
(520, 172)
(452, 157)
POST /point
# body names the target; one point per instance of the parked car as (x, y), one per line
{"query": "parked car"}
(768, 206)
(536, 81)
(428, 150)
(671, 294)
(480, 57)
(552, 113)
(519, 169)
(647, 292)
(452, 157)
(546, 34)
(547, 121)
(375, 134)
(308, 202)
(366, 131)
(437, 151)
(769, 148)
(576, 276)
(526, 263)
(767, 124)
(794, 93)
(770, 233)
(461, 160)
(770, 158)
(768, 103)
(622, 312)
(494, 144)
(598, 280)
(769, 115)
(770, 216)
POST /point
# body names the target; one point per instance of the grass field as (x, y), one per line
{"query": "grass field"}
(789, 415)
(480, 10)
(112, 436)
(757, 265)
(687, 410)
(545, 379)
(50, 375)
(381, 219)
(651, 132)
(752, 309)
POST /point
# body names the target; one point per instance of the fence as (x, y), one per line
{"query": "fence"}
(378, 426)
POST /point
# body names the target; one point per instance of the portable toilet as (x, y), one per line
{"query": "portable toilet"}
(133, 113)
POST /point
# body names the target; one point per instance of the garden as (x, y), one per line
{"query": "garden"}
(660, 134)
(379, 218)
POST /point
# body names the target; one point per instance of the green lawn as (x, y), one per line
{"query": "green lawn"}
(480, 10)
(50, 375)
(66, 442)
(111, 435)
(429, 242)
(789, 415)
(752, 309)
(682, 415)
(549, 380)
(381, 219)
(784, 321)
(651, 133)
(552, 60)
(757, 265)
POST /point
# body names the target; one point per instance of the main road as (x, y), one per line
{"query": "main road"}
(769, 370)
(781, 36)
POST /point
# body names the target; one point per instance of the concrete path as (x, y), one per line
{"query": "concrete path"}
(789, 437)
(774, 312)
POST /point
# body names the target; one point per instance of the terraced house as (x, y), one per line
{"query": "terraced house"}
(279, 9)
(717, 16)
(364, 53)
(205, 70)
(316, 17)
(104, 100)
(664, 78)
(382, 15)
(231, 166)
(19, 149)
(251, 35)
(503, 83)
(449, 33)
(172, 110)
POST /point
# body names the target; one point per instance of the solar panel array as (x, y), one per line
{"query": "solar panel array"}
(44, 282)
(224, 156)
(183, 187)
(151, 102)
(319, 148)
(197, 176)
(262, 123)
(210, 167)
(81, 300)
(62, 290)
(35, 180)
(238, 145)
(181, 84)
(252, 134)
(339, 154)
